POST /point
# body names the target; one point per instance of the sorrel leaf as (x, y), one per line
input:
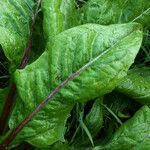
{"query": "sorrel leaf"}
(137, 85)
(15, 20)
(59, 15)
(94, 119)
(103, 52)
(116, 11)
(132, 134)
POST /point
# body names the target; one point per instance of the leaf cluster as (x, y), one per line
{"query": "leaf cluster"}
(88, 70)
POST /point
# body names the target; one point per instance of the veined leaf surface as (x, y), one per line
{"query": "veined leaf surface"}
(15, 20)
(103, 54)
(137, 85)
(94, 119)
(59, 15)
(132, 134)
(115, 11)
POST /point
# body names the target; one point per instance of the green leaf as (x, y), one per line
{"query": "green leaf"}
(119, 103)
(103, 53)
(91, 126)
(112, 113)
(15, 19)
(59, 15)
(85, 129)
(137, 85)
(116, 11)
(94, 119)
(132, 133)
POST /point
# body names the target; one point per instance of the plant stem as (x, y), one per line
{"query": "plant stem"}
(15, 131)
(27, 50)
(7, 108)
(11, 94)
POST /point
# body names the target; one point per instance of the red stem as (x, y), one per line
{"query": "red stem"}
(6, 109)
(10, 98)
(15, 131)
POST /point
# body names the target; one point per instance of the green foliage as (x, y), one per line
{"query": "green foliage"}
(105, 62)
(132, 133)
(137, 85)
(96, 40)
(115, 11)
(15, 20)
(59, 15)
(94, 119)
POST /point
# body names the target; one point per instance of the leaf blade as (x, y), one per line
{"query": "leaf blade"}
(136, 85)
(15, 23)
(59, 15)
(105, 12)
(36, 80)
(132, 133)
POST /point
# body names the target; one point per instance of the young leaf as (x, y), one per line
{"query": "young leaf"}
(15, 19)
(112, 113)
(94, 120)
(100, 54)
(116, 11)
(132, 133)
(85, 129)
(93, 123)
(59, 15)
(137, 85)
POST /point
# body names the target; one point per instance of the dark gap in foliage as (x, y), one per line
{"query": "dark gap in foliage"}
(140, 58)
(24, 146)
(143, 57)
(4, 78)
(80, 3)
(147, 64)
(72, 123)
(73, 120)
(88, 107)
(116, 102)
(120, 103)
(107, 132)
(38, 43)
